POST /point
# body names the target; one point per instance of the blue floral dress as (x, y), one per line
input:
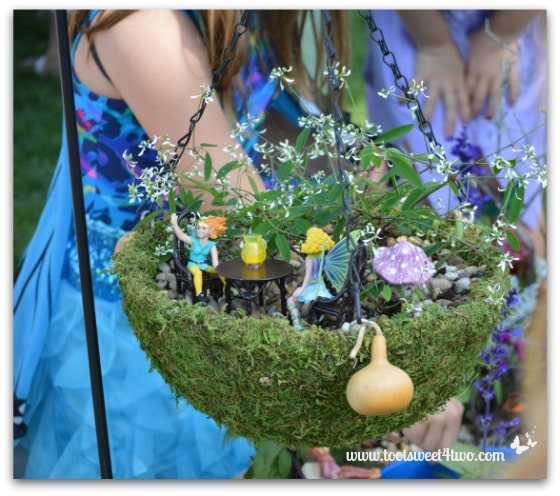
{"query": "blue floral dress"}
(151, 434)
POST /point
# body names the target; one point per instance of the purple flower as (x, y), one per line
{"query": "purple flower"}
(500, 430)
(512, 298)
(468, 154)
(495, 357)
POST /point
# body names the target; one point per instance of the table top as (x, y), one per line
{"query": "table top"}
(270, 270)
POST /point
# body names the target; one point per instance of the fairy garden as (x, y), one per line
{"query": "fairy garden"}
(421, 306)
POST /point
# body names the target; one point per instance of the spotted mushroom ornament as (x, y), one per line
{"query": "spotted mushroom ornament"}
(403, 263)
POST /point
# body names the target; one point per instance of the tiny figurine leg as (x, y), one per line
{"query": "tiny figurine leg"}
(199, 297)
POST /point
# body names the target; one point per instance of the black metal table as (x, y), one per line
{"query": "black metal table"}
(250, 283)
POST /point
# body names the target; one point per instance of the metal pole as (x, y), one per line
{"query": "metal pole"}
(82, 245)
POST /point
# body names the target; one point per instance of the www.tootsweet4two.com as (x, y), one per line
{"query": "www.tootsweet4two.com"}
(441, 455)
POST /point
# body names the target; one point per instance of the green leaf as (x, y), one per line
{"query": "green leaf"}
(302, 139)
(284, 171)
(430, 250)
(413, 198)
(459, 228)
(402, 166)
(366, 156)
(335, 193)
(207, 166)
(512, 240)
(517, 200)
(271, 461)
(253, 184)
(283, 246)
(393, 134)
(387, 292)
(417, 195)
(149, 218)
(171, 202)
(268, 195)
(301, 226)
(454, 188)
(227, 168)
(404, 230)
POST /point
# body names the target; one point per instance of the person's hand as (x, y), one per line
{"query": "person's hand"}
(440, 430)
(442, 70)
(488, 59)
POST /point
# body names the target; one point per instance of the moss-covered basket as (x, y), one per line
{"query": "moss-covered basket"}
(266, 381)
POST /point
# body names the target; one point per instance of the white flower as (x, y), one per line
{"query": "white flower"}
(506, 260)
(385, 92)
(417, 88)
(499, 163)
(438, 151)
(373, 129)
(541, 175)
(529, 153)
(207, 94)
(280, 73)
(341, 74)
(446, 168)
(495, 295)
(134, 194)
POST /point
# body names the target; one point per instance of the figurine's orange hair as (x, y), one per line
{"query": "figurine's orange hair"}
(216, 225)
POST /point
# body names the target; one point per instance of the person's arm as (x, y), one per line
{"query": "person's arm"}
(440, 430)
(427, 27)
(157, 62)
(178, 231)
(488, 53)
(508, 24)
(438, 64)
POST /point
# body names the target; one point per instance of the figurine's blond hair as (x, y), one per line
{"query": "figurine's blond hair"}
(216, 225)
(317, 240)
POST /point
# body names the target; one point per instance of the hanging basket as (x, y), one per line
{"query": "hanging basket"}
(266, 381)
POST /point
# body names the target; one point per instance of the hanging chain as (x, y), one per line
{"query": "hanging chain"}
(228, 55)
(401, 82)
(343, 179)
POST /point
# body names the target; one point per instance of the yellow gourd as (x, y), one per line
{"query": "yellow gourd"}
(379, 388)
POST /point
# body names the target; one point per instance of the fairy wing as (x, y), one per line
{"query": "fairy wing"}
(337, 261)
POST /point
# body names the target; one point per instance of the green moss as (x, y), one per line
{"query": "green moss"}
(266, 381)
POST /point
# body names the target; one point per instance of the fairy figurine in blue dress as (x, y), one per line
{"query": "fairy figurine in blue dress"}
(324, 258)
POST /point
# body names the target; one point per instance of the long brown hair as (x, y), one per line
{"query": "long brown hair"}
(283, 30)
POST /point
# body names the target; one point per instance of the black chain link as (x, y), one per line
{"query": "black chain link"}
(343, 179)
(401, 82)
(228, 55)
